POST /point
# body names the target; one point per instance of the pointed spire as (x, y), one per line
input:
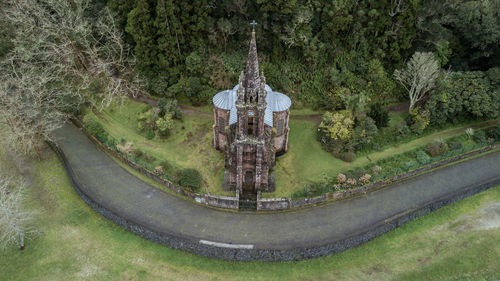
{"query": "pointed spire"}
(252, 79)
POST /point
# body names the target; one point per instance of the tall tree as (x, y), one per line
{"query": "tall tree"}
(60, 58)
(419, 76)
(16, 221)
(140, 26)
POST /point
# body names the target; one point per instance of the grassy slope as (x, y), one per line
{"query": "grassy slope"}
(178, 149)
(78, 244)
(306, 161)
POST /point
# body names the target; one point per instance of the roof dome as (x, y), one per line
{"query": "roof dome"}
(276, 102)
(225, 99)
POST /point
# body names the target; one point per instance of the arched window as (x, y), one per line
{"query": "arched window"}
(280, 126)
(250, 128)
(222, 125)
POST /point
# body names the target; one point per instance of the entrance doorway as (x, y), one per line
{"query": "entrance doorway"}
(248, 183)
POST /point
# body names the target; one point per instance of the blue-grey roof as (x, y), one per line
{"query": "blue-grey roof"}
(276, 102)
(225, 99)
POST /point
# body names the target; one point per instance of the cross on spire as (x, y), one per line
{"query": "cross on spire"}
(253, 24)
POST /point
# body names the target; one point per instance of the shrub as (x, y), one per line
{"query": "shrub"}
(137, 153)
(191, 178)
(96, 129)
(402, 130)
(337, 126)
(379, 114)
(423, 158)
(364, 133)
(364, 179)
(410, 165)
(150, 134)
(437, 147)
(126, 148)
(159, 170)
(494, 132)
(469, 132)
(455, 145)
(165, 165)
(169, 106)
(165, 125)
(419, 120)
(341, 178)
(376, 169)
(480, 137)
(350, 182)
(348, 156)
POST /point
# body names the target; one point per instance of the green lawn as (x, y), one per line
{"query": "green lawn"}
(190, 146)
(307, 162)
(79, 244)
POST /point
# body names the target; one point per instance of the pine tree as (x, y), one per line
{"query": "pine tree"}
(141, 27)
(168, 35)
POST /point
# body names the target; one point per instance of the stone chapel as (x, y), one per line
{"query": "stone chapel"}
(251, 128)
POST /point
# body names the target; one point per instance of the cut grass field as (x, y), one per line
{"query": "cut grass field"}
(190, 146)
(457, 242)
(306, 162)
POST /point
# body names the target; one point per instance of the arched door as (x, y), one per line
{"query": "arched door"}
(248, 183)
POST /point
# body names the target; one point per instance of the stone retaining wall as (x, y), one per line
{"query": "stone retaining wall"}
(299, 253)
(218, 201)
(274, 204)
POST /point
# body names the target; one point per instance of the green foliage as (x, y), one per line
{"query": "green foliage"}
(364, 132)
(423, 158)
(169, 106)
(480, 137)
(194, 63)
(463, 95)
(164, 124)
(455, 145)
(464, 33)
(348, 156)
(494, 132)
(150, 134)
(337, 126)
(436, 147)
(191, 178)
(379, 114)
(96, 129)
(140, 27)
(419, 120)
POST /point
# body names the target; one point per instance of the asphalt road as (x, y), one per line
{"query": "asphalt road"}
(108, 184)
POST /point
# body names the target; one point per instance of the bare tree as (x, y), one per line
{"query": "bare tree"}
(419, 76)
(16, 223)
(61, 58)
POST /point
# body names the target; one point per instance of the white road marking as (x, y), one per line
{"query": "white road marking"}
(226, 245)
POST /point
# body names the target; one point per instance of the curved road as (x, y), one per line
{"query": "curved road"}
(108, 184)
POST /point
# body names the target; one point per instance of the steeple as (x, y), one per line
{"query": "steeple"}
(252, 78)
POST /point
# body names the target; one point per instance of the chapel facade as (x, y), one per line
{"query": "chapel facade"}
(251, 128)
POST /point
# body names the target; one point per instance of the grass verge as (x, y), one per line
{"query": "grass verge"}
(458, 242)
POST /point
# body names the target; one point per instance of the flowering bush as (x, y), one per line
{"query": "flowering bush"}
(341, 178)
(365, 179)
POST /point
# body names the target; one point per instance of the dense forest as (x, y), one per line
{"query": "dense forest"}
(343, 57)
(315, 51)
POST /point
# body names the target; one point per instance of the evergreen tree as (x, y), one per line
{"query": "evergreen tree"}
(141, 27)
